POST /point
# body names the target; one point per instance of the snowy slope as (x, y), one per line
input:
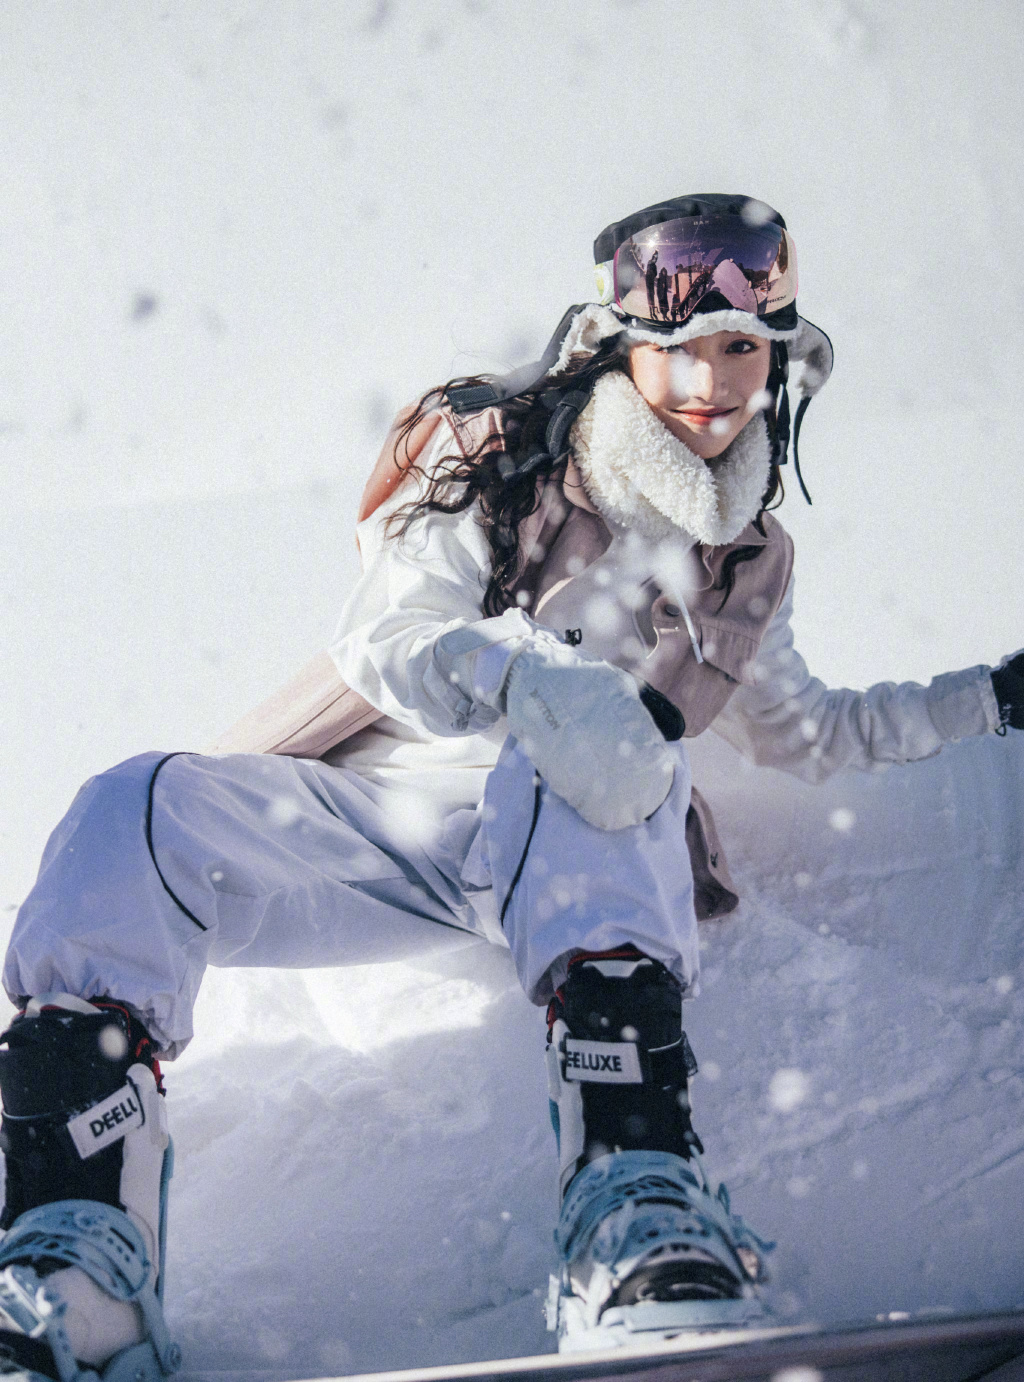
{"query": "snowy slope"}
(234, 236)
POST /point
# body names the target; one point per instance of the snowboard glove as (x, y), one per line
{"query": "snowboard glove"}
(584, 727)
(1008, 684)
(595, 738)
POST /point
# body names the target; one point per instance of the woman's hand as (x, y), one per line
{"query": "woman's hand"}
(1008, 684)
(580, 720)
(582, 724)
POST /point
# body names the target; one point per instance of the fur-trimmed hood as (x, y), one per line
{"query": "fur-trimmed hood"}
(641, 477)
(810, 350)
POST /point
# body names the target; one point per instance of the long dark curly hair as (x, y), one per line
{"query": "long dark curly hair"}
(494, 474)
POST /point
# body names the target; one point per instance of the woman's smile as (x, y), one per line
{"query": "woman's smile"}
(702, 390)
(702, 418)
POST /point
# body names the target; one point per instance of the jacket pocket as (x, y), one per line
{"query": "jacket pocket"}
(731, 652)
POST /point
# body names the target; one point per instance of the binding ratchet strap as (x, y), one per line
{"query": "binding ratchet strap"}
(664, 1183)
(104, 1243)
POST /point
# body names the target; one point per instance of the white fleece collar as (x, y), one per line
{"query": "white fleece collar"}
(640, 476)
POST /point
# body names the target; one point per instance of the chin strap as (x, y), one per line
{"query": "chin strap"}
(565, 409)
(802, 407)
(778, 377)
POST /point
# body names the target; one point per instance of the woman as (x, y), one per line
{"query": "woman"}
(566, 574)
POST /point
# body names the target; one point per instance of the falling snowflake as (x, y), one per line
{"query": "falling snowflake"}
(788, 1089)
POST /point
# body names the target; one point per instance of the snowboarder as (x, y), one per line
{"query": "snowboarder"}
(567, 573)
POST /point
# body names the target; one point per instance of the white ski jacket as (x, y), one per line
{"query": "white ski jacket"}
(783, 717)
(627, 587)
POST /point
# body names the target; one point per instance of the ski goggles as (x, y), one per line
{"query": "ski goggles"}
(662, 275)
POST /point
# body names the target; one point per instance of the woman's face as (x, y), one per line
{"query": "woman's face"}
(705, 390)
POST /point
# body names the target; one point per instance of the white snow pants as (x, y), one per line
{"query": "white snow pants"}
(166, 864)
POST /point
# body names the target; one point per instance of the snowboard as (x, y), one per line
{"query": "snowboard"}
(968, 1348)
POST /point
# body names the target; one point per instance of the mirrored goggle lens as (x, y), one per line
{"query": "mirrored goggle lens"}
(664, 273)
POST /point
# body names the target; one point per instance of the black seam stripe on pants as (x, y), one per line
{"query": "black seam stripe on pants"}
(149, 841)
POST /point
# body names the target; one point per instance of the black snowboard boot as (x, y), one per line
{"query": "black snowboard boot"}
(645, 1245)
(88, 1160)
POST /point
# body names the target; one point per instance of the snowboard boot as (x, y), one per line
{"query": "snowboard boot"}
(88, 1161)
(648, 1252)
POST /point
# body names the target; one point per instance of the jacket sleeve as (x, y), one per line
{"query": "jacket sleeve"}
(415, 588)
(790, 720)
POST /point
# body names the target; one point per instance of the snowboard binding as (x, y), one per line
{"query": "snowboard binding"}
(88, 1165)
(105, 1245)
(646, 1248)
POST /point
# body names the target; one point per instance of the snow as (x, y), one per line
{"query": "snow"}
(234, 237)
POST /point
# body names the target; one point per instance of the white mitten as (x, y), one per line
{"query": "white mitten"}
(584, 728)
(580, 720)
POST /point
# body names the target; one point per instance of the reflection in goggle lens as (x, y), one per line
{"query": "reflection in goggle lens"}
(664, 273)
